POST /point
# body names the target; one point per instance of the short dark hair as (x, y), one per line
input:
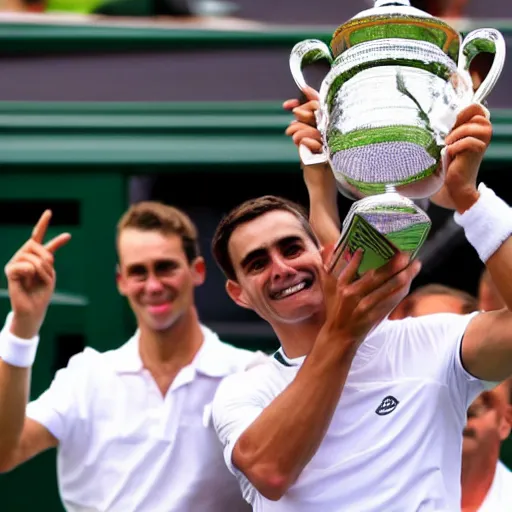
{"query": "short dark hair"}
(469, 304)
(245, 212)
(168, 220)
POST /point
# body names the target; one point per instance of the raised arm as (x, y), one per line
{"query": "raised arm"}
(487, 222)
(319, 179)
(274, 449)
(31, 281)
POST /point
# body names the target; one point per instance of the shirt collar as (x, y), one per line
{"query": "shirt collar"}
(284, 360)
(213, 358)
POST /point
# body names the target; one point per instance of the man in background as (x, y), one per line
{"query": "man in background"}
(435, 298)
(132, 425)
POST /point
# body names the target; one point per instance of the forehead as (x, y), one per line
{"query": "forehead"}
(264, 232)
(139, 247)
(431, 304)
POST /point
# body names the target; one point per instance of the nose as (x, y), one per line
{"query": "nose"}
(280, 268)
(153, 284)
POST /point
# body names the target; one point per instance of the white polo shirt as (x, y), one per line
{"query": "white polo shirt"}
(395, 441)
(123, 447)
(499, 497)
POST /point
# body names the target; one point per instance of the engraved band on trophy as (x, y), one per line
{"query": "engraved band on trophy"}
(398, 79)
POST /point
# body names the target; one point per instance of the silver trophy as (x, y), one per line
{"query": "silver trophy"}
(398, 79)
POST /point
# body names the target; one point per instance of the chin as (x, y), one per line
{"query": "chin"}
(297, 315)
(161, 324)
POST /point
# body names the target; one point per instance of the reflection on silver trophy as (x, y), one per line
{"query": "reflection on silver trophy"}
(398, 79)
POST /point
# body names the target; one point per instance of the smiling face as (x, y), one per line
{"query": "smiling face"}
(156, 277)
(277, 268)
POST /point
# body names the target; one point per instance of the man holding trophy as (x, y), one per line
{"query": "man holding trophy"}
(356, 412)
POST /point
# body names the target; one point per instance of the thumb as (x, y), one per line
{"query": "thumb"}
(327, 279)
(327, 251)
(311, 94)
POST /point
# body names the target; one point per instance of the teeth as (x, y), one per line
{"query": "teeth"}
(292, 289)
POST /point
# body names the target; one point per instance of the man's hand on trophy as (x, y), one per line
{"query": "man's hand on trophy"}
(463, 154)
(303, 129)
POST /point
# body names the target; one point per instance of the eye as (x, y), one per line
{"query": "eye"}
(165, 268)
(137, 272)
(256, 265)
(292, 250)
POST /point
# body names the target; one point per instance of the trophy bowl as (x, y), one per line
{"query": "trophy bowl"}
(398, 79)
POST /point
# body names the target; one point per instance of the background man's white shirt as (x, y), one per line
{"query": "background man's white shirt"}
(395, 441)
(499, 497)
(124, 447)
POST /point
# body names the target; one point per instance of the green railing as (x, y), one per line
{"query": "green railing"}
(33, 38)
(163, 136)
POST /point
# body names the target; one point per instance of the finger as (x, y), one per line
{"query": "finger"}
(468, 144)
(381, 301)
(19, 270)
(349, 273)
(43, 270)
(56, 243)
(295, 126)
(478, 127)
(328, 280)
(42, 225)
(39, 250)
(306, 113)
(291, 104)
(309, 133)
(374, 279)
(475, 109)
(313, 145)
(331, 280)
(311, 94)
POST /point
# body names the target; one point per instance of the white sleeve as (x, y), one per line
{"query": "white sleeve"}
(435, 342)
(58, 407)
(235, 407)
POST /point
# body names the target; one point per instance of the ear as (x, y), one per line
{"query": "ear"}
(506, 422)
(508, 414)
(121, 285)
(237, 294)
(198, 271)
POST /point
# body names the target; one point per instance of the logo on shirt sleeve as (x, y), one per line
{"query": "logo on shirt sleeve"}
(387, 406)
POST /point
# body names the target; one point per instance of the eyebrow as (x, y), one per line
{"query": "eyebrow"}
(261, 251)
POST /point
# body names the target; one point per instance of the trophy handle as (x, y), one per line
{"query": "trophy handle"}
(478, 41)
(304, 53)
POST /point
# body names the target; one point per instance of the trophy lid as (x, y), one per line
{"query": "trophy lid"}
(396, 19)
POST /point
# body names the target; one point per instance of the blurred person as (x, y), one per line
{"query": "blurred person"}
(486, 481)
(132, 425)
(489, 298)
(27, 6)
(442, 8)
(355, 412)
(435, 298)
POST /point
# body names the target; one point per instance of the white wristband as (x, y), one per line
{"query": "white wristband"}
(487, 224)
(17, 351)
